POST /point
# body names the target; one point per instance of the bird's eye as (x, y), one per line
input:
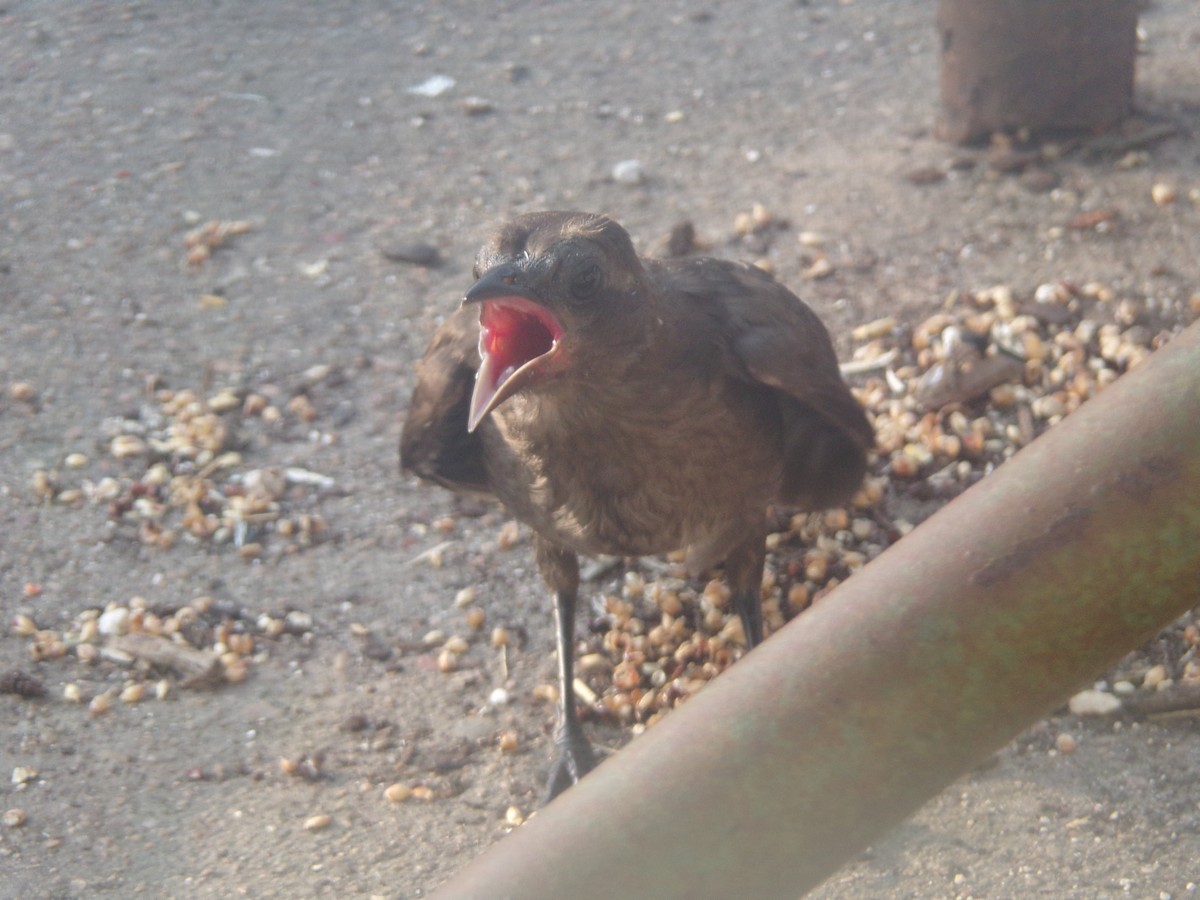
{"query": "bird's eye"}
(586, 282)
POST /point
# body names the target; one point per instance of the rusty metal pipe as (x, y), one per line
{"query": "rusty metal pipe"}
(1008, 65)
(929, 659)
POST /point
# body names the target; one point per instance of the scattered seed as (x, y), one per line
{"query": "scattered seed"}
(126, 446)
(820, 268)
(318, 822)
(510, 535)
(236, 671)
(99, 705)
(872, 330)
(1154, 676)
(133, 693)
(397, 793)
(1162, 194)
(545, 693)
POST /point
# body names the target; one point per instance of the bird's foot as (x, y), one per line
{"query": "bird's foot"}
(573, 759)
(749, 608)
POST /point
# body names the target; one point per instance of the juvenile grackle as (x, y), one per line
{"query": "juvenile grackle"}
(625, 406)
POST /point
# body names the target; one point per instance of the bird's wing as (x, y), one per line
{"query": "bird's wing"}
(774, 339)
(435, 443)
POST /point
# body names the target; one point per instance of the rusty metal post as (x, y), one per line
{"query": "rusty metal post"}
(1065, 65)
(933, 656)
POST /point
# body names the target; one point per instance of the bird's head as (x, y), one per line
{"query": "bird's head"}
(548, 284)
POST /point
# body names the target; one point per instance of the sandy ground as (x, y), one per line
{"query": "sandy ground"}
(123, 127)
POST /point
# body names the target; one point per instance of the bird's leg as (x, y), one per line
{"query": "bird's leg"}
(744, 571)
(573, 754)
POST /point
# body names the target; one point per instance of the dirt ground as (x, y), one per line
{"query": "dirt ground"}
(124, 127)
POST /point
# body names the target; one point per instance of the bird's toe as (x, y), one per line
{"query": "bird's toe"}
(573, 759)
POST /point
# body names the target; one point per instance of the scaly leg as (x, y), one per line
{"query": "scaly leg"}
(744, 570)
(573, 757)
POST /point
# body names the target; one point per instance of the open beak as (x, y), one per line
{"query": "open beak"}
(518, 340)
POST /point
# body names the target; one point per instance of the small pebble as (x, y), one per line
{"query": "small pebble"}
(476, 106)
(21, 391)
(414, 253)
(114, 622)
(1066, 743)
(15, 817)
(1039, 180)
(499, 697)
(433, 86)
(628, 171)
(925, 175)
(1094, 703)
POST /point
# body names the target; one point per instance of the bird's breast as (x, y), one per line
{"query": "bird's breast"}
(629, 473)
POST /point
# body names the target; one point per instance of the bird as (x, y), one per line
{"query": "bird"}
(626, 407)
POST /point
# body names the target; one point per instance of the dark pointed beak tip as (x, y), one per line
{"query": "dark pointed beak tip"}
(502, 281)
